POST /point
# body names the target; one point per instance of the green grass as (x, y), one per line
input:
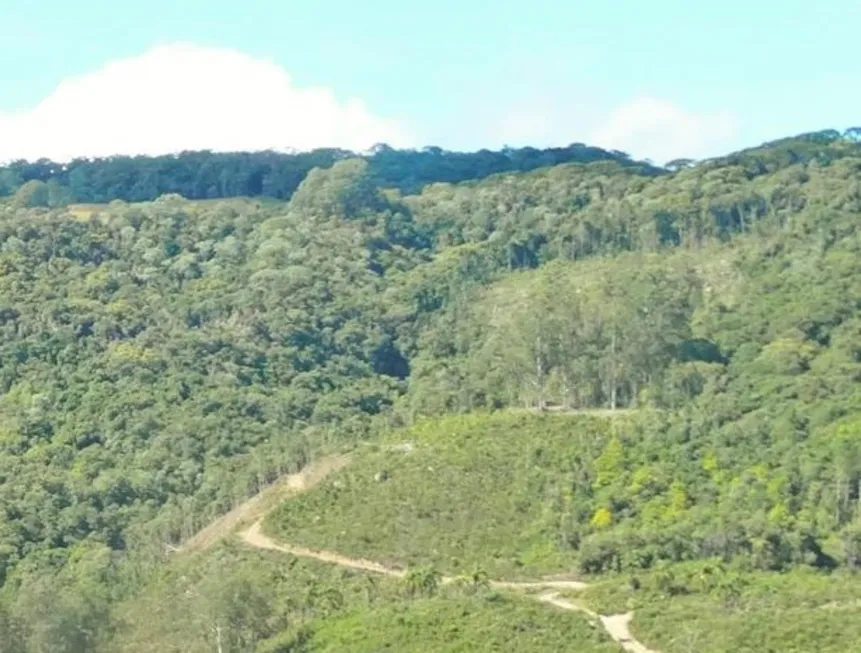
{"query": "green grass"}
(251, 595)
(484, 491)
(478, 490)
(450, 625)
(489, 491)
(797, 612)
(270, 602)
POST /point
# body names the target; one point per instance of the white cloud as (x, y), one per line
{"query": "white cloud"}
(522, 126)
(646, 127)
(662, 131)
(539, 120)
(184, 97)
(534, 125)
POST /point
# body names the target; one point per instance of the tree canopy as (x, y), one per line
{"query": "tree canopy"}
(210, 175)
(163, 360)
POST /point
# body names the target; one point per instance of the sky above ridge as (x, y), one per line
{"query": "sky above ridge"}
(660, 79)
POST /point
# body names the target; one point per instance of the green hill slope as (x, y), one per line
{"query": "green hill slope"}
(519, 494)
(503, 494)
(489, 492)
(162, 362)
(494, 623)
(246, 600)
(716, 610)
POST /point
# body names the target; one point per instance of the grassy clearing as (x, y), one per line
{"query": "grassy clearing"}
(682, 609)
(245, 594)
(491, 623)
(245, 600)
(479, 490)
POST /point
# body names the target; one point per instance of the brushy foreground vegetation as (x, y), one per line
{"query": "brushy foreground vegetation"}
(243, 600)
(714, 609)
(473, 492)
(492, 623)
(161, 362)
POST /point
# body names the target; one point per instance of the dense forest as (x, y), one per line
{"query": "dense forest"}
(163, 360)
(209, 175)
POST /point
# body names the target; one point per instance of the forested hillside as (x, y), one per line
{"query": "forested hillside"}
(162, 361)
(208, 175)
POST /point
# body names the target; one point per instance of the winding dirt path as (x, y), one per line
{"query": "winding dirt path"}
(575, 412)
(255, 510)
(256, 538)
(616, 626)
(259, 505)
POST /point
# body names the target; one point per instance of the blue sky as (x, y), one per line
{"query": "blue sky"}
(661, 78)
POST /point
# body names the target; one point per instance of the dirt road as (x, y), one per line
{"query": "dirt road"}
(616, 626)
(257, 506)
(255, 509)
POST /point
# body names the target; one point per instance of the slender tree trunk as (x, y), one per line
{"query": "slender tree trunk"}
(567, 389)
(858, 501)
(613, 372)
(838, 513)
(539, 372)
(218, 642)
